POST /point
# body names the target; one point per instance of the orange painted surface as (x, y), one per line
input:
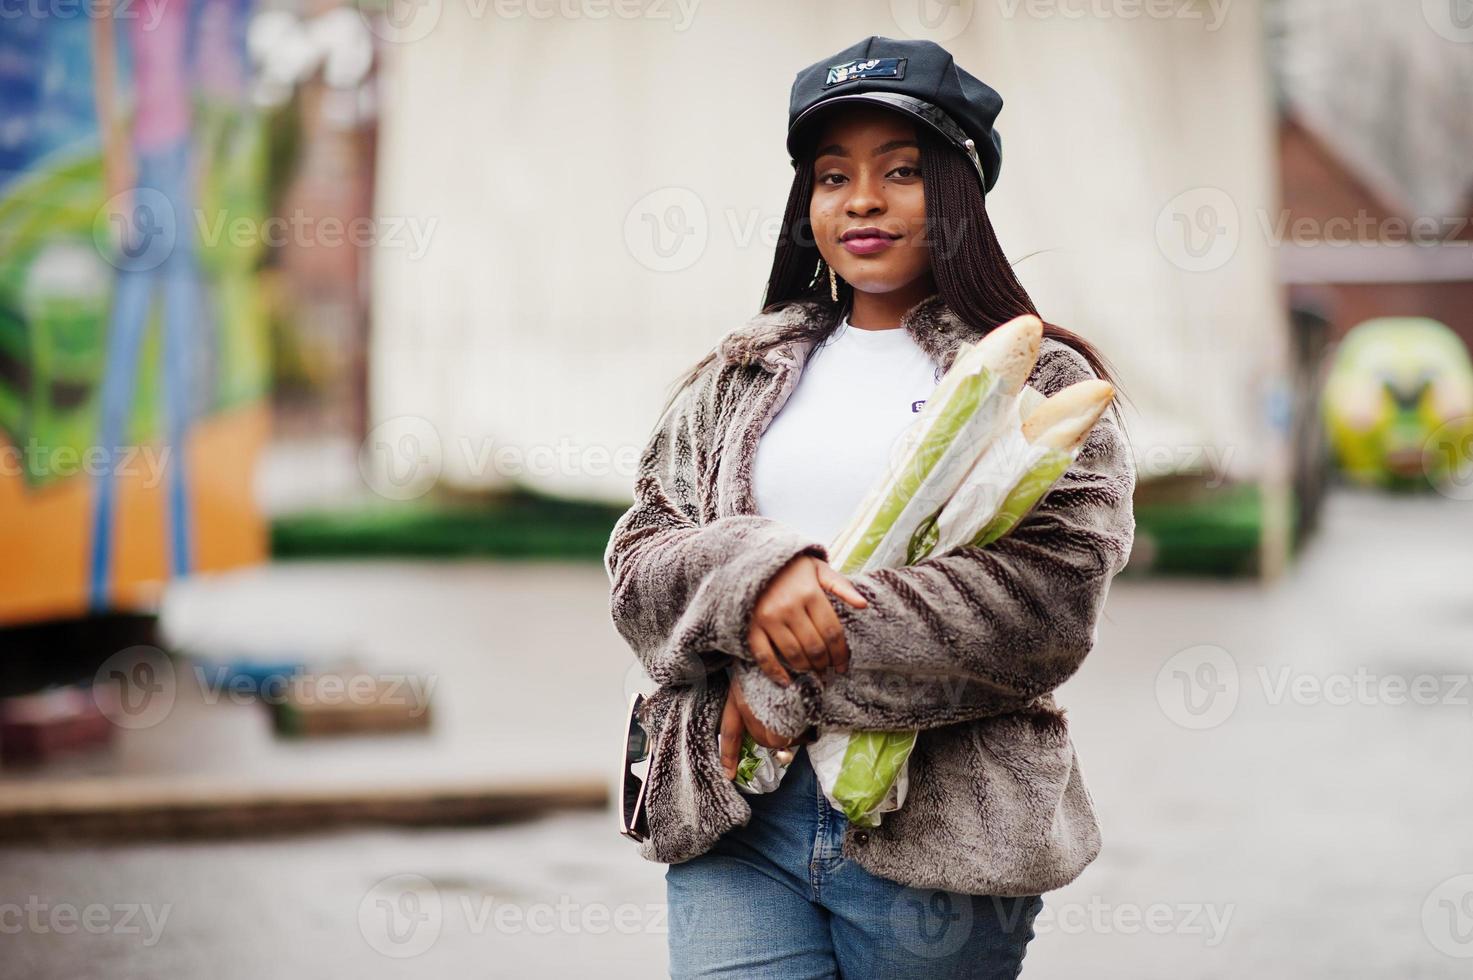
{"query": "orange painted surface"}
(45, 536)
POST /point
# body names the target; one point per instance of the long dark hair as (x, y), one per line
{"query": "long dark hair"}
(972, 274)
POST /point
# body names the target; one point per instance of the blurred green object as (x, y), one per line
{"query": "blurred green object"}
(55, 290)
(1398, 403)
(231, 225)
(1185, 529)
(1179, 531)
(518, 525)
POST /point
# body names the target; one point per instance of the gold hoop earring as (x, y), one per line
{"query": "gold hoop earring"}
(833, 285)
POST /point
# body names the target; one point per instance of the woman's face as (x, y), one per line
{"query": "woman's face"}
(869, 208)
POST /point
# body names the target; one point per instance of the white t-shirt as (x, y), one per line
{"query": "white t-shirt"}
(858, 392)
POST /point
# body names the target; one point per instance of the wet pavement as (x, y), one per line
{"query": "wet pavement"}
(1280, 772)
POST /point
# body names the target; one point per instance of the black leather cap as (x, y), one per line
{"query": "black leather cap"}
(919, 78)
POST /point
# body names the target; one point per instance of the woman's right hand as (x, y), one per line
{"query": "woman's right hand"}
(794, 622)
(737, 721)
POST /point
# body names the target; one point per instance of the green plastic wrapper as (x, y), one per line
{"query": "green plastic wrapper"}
(966, 477)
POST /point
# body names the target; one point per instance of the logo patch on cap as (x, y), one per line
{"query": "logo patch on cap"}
(872, 68)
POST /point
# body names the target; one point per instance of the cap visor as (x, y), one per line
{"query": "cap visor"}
(917, 109)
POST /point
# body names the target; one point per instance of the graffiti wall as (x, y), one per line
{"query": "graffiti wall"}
(133, 360)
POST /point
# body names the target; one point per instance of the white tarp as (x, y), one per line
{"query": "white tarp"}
(605, 192)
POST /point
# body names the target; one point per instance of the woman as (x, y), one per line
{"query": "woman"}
(721, 585)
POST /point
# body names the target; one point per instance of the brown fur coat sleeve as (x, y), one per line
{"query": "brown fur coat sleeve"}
(682, 590)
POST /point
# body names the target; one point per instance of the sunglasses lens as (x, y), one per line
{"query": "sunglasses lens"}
(637, 743)
(632, 786)
(633, 822)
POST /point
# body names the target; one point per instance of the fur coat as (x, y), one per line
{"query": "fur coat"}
(966, 646)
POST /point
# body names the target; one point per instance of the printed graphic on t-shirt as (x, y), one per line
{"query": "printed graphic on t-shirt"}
(916, 406)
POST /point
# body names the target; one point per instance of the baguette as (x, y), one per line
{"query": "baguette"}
(1063, 421)
(1011, 350)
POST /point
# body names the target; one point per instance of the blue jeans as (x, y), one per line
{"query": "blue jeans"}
(777, 899)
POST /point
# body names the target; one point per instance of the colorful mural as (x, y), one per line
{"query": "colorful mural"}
(133, 360)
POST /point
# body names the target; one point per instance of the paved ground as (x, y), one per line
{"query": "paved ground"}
(523, 667)
(1281, 773)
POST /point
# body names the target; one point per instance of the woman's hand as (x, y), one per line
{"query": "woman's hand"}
(794, 622)
(737, 720)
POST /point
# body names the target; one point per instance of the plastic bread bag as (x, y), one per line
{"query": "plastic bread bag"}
(970, 406)
(865, 774)
(974, 401)
(1030, 442)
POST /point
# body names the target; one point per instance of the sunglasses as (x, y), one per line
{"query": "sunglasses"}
(632, 821)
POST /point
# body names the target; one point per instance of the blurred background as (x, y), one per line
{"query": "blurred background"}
(329, 339)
